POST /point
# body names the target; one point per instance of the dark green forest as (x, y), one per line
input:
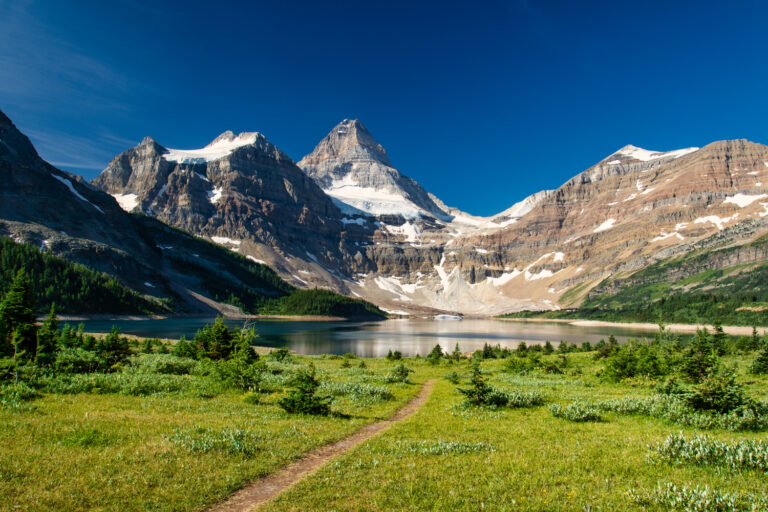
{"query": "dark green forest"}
(255, 288)
(73, 287)
(736, 296)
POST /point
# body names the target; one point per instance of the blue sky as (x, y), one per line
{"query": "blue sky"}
(482, 102)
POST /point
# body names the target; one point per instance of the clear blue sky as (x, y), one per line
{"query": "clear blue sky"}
(483, 102)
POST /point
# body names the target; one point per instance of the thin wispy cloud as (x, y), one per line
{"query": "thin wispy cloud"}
(73, 152)
(44, 77)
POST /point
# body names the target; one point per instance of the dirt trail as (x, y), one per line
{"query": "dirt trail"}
(260, 491)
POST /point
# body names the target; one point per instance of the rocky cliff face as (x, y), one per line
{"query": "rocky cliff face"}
(59, 212)
(244, 193)
(352, 222)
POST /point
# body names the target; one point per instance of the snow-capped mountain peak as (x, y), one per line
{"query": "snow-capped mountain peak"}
(630, 152)
(354, 169)
(221, 146)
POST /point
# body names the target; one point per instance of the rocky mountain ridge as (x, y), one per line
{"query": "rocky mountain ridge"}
(345, 218)
(63, 215)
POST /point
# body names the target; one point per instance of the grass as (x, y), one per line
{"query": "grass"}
(538, 462)
(170, 451)
(175, 451)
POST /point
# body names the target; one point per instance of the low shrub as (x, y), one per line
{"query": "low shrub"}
(705, 451)
(452, 377)
(399, 373)
(524, 398)
(576, 411)
(13, 395)
(358, 393)
(634, 360)
(698, 499)
(165, 364)
(677, 410)
(438, 447)
(394, 356)
(227, 440)
(78, 360)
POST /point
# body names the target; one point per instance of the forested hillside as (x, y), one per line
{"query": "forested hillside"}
(73, 287)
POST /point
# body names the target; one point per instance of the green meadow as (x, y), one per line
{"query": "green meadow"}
(660, 424)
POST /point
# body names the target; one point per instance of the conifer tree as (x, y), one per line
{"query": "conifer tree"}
(46, 339)
(17, 318)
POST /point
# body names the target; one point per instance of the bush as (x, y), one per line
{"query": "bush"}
(705, 451)
(576, 411)
(435, 355)
(12, 395)
(215, 341)
(126, 383)
(239, 374)
(674, 409)
(479, 392)
(698, 499)
(78, 360)
(718, 392)
(399, 373)
(362, 394)
(304, 399)
(281, 355)
(394, 356)
(438, 447)
(165, 364)
(633, 360)
(700, 358)
(452, 377)
(113, 348)
(760, 365)
(227, 440)
(523, 398)
(185, 349)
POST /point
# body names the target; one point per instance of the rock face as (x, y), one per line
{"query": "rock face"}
(59, 212)
(345, 218)
(352, 168)
(239, 191)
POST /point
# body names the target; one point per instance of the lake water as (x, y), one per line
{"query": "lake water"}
(375, 339)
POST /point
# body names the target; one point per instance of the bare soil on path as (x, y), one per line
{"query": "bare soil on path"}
(252, 496)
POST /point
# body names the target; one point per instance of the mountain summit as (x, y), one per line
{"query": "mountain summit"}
(351, 167)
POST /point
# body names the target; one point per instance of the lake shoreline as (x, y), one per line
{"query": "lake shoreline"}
(733, 330)
(121, 318)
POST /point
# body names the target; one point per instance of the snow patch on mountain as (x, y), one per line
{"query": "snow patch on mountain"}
(351, 198)
(214, 195)
(71, 188)
(127, 201)
(643, 155)
(222, 146)
(717, 221)
(743, 200)
(410, 231)
(223, 240)
(605, 226)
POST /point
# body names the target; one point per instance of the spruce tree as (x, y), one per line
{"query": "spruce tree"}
(303, 399)
(478, 393)
(17, 318)
(456, 354)
(47, 339)
(436, 354)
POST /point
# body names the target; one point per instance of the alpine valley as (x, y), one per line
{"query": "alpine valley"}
(346, 219)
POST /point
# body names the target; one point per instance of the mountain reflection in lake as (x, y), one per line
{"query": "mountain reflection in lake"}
(375, 339)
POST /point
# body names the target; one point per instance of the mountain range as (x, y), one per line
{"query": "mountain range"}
(346, 219)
